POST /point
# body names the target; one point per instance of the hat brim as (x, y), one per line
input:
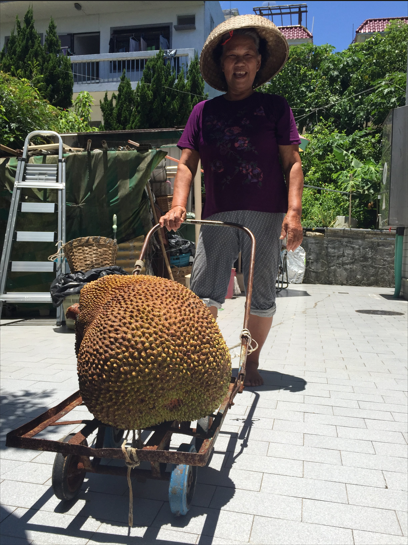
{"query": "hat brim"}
(274, 49)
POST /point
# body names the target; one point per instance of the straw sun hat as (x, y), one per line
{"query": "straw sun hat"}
(273, 48)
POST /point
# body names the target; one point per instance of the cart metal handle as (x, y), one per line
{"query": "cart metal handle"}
(244, 338)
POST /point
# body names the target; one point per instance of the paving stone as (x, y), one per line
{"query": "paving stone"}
(335, 420)
(281, 415)
(257, 503)
(52, 528)
(396, 481)
(305, 427)
(268, 464)
(371, 435)
(311, 454)
(271, 531)
(341, 474)
(210, 522)
(362, 413)
(5, 511)
(28, 472)
(400, 417)
(337, 443)
(374, 538)
(351, 516)
(275, 436)
(8, 465)
(304, 488)
(372, 397)
(387, 449)
(12, 540)
(332, 402)
(377, 497)
(232, 478)
(305, 407)
(403, 520)
(21, 494)
(370, 461)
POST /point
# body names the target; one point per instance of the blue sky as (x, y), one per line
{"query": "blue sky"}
(333, 20)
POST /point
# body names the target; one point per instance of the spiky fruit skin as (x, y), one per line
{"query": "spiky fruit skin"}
(151, 352)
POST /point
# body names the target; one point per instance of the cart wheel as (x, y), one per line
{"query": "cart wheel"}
(113, 437)
(66, 478)
(182, 484)
(203, 425)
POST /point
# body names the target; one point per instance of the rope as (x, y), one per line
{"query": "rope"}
(245, 333)
(59, 253)
(131, 461)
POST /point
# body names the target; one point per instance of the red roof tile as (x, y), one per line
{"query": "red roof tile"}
(295, 32)
(377, 25)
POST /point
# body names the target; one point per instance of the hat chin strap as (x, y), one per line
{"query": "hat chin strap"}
(231, 33)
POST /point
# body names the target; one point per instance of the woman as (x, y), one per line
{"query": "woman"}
(245, 140)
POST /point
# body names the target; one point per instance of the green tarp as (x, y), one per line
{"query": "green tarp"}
(98, 185)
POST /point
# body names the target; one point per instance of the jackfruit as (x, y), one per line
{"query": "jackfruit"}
(149, 351)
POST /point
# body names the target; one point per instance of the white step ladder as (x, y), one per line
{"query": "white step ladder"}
(34, 176)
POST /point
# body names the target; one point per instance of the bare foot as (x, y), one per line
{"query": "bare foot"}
(252, 376)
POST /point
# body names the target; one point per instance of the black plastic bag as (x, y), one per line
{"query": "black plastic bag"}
(178, 245)
(72, 283)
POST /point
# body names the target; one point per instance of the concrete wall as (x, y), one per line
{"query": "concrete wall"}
(350, 257)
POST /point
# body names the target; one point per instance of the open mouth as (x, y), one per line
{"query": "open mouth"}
(240, 75)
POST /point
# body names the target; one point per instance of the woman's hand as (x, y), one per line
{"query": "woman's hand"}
(292, 228)
(174, 218)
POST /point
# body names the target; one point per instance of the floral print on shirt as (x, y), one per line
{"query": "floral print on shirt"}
(232, 143)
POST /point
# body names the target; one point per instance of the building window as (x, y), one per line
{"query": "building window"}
(145, 38)
(185, 22)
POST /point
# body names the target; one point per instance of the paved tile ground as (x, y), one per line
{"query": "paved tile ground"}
(316, 456)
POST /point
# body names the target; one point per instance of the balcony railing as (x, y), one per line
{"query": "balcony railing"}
(108, 67)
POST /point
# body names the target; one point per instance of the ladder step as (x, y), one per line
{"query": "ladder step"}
(39, 185)
(39, 207)
(35, 236)
(26, 297)
(31, 167)
(40, 176)
(32, 266)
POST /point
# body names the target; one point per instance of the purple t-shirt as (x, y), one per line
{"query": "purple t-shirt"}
(238, 145)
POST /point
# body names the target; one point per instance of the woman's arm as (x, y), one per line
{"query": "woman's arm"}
(186, 171)
(292, 168)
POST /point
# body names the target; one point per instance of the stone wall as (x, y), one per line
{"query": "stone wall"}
(350, 257)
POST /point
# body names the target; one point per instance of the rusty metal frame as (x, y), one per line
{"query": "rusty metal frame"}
(155, 450)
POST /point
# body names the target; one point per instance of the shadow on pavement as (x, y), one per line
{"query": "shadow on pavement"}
(292, 293)
(111, 508)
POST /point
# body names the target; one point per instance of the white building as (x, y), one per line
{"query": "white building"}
(103, 38)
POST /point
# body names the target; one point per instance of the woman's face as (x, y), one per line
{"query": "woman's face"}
(240, 62)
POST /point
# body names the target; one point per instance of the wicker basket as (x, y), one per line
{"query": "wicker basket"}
(180, 273)
(164, 203)
(86, 253)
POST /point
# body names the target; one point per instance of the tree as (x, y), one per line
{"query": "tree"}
(23, 110)
(354, 88)
(25, 55)
(195, 83)
(125, 103)
(107, 108)
(58, 80)
(45, 67)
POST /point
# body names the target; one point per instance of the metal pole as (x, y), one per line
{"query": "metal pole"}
(197, 200)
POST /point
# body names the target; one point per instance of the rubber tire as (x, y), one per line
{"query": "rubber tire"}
(65, 487)
(182, 485)
(113, 437)
(203, 425)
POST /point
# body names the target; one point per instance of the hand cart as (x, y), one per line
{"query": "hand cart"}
(75, 458)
